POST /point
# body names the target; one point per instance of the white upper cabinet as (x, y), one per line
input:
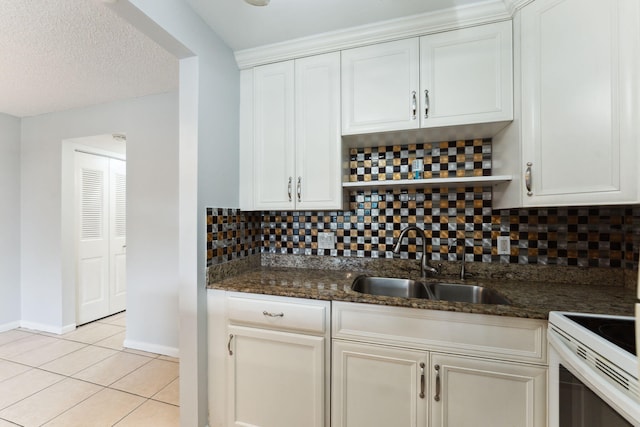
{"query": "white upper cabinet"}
(290, 134)
(317, 130)
(454, 78)
(466, 76)
(380, 86)
(273, 135)
(578, 139)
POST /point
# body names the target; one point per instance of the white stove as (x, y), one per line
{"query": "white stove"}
(593, 371)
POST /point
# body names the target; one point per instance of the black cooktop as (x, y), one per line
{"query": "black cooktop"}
(620, 332)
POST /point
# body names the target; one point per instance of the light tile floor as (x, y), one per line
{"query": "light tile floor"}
(85, 378)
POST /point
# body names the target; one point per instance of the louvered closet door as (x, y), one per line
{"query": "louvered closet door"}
(92, 201)
(118, 235)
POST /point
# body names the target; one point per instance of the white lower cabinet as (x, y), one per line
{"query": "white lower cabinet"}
(472, 392)
(275, 378)
(378, 386)
(271, 365)
(396, 366)
(268, 360)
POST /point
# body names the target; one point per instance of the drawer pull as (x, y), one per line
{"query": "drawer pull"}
(437, 396)
(266, 313)
(422, 381)
(414, 105)
(426, 104)
(527, 179)
(229, 345)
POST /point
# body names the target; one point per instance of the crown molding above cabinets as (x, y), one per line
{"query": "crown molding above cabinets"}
(514, 5)
(417, 25)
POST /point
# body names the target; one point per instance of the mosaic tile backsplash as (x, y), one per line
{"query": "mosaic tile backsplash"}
(232, 235)
(455, 220)
(440, 160)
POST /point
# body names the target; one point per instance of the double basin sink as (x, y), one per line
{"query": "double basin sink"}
(406, 288)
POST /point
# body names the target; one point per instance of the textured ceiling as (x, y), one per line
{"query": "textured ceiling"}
(243, 26)
(61, 54)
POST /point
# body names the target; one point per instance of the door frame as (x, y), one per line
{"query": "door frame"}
(101, 145)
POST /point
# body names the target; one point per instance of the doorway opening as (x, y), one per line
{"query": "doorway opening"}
(94, 227)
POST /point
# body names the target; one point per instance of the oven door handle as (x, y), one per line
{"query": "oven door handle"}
(623, 404)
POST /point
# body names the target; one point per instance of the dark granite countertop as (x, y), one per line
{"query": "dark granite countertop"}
(530, 299)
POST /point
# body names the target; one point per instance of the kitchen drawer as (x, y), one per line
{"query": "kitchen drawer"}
(279, 313)
(499, 337)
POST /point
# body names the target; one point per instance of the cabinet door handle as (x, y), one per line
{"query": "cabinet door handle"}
(527, 178)
(268, 314)
(422, 380)
(299, 189)
(414, 105)
(437, 396)
(289, 187)
(229, 345)
(426, 104)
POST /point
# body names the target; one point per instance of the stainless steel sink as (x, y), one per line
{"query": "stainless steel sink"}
(466, 293)
(407, 288)
(390, 287)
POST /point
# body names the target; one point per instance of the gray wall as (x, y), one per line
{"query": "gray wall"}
(151, 126)
(209, 156)
(9, 221)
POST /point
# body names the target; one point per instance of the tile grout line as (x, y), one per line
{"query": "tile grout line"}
(151, 357)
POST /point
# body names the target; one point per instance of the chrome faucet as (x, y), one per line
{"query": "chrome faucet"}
(463, 273)
(425, 267)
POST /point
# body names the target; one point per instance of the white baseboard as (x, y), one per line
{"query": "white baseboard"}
(9, 325)
(152, 348)
(42, 327)
(69, 328)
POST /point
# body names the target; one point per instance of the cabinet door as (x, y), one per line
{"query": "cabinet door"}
(378, 386)
(273, 136)
(317, 132)
(580, 89)
(466, 76)
(276, 379)
(379, 87)
(468, 392)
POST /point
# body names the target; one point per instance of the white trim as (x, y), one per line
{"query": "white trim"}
(513, 6)
(41, 327)
(193, 375)
(152, 348)
(9, 326)
(412, 26)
